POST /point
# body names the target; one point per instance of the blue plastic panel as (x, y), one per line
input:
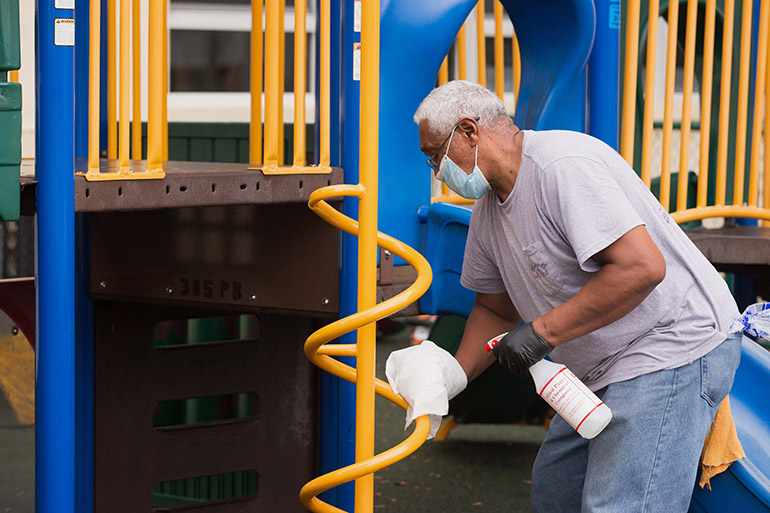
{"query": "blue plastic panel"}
(444, 249)
(745, 485)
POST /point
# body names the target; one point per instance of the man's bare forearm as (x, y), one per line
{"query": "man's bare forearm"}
(483, 324)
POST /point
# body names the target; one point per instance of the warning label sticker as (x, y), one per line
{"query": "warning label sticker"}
(64, 32)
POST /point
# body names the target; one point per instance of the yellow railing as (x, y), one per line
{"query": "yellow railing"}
(269, 156)
(368, 310)
(120, 134)
(757, 205)
(460, 51)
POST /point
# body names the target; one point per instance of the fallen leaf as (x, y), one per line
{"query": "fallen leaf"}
(479, 503)
(401, 483)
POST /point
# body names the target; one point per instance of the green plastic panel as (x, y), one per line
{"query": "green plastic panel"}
(10, 149)
(10, 55)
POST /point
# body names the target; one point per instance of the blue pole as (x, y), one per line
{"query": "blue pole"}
(604, 73)
(55, 262)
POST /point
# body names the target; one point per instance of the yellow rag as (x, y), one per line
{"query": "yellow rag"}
(721, 446)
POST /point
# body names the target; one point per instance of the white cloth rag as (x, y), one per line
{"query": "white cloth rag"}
(427, 377)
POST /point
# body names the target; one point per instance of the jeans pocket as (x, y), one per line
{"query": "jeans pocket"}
(718, 370)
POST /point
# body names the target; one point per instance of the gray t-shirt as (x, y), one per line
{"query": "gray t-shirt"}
(575, 196)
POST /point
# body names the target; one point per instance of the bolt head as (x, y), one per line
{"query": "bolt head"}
(15, 330)
(169, 290)
(325, 301)
(253, 298)
(102, 284)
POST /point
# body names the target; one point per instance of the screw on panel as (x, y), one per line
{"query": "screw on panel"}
(387, 254)
(15, 330)
(102, 285)
(169, 290)
(325, 301)
(253, 298)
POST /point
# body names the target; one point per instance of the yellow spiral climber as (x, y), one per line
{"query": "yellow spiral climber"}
(321, 355)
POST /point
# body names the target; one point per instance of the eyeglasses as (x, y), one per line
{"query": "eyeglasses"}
(432, 160)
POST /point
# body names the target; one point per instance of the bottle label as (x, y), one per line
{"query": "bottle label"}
(570, 397)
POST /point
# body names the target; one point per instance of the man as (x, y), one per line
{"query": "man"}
(567, 238)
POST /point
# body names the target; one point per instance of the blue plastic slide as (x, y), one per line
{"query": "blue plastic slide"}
(745, 487)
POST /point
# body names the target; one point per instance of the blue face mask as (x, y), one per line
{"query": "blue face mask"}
(470, 186)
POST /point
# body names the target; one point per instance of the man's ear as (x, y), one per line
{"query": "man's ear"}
(470, 128)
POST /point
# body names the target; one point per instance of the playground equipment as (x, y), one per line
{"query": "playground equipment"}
(202, 240)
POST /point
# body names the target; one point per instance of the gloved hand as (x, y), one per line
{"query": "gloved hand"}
(520, 349)
(427, 377)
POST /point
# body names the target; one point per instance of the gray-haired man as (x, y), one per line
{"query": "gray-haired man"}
(565, 236)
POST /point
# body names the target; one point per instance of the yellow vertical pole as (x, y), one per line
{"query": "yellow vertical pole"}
(255, 124)
(94, 51)
(705, 101)
(481, 43)
(164, 55)
(743, 100)
(766, 168)
(668, 106)
(125, 83)
(689, 72)
(136, 126)
(272, 113)
(759, 98)
(629, 82)
(367, 247)
(516, 69)
(300, 61)
(155, 87)
(443, 71)
(13, 76)
(499, 51)
(462, 64)
(649, 91)
(112, 85)
(325, 93)
(281, 76)
(724, 101)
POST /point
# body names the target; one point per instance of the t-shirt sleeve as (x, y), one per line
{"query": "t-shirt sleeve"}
(585, 202)
(480, 273)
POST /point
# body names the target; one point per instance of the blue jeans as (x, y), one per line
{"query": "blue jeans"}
(646, 459)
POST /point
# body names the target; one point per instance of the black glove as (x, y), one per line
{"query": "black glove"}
(520, 349)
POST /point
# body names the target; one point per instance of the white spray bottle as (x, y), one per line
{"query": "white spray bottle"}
(567, 395)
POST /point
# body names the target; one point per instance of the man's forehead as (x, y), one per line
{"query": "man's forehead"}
(428, 137)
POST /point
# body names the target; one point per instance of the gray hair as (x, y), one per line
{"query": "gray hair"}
(449, 103)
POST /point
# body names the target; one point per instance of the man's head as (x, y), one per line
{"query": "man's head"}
(467, 124)
(446, 105)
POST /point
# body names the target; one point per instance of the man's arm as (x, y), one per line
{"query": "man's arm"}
(631, 269)
(492, 314)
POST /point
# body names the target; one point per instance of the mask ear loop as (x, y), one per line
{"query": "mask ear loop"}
(440, 172)
(476, 160)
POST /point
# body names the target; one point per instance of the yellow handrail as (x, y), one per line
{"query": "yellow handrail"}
(705, 101)
(124, 132)
(300, 63)
(754, 26)
(320, 355)
(668, 108)
(255, 88)
(112, 85)
(724, 101)
(368, 310)
(136, 127)
(268, 156)
(689, 71)
(629, 82)
(499, 51)
(481, 44)
(649, 91)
